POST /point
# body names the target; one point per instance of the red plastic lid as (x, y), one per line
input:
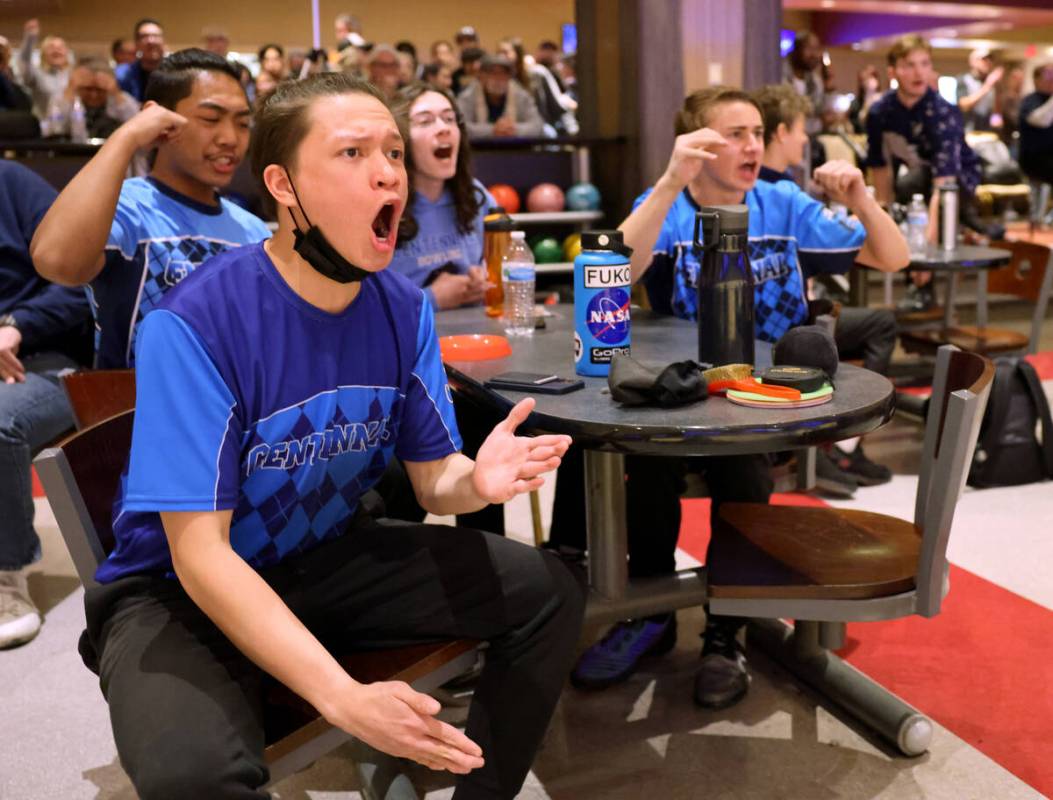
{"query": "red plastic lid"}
(474, 347)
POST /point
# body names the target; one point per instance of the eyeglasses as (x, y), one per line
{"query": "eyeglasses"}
(426, 119)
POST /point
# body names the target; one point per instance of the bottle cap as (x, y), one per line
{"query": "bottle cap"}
(518, 235)
(611, 240)
(733, 219)
(498, 221)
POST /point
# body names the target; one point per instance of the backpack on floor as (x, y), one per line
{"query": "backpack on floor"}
(1010, 450)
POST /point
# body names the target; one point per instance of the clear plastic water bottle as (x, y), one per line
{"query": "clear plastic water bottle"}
(517, 277)
(78, 122)
(54, 123)
(917, 224)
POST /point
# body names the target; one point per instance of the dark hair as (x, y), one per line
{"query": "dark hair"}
(173, 80)
(146, 21)
(470, 54)
(467, 199)
(405, 46)
(282, 119)
(263, 50)
(117, 44)
(431, 70)
(1036, 73)
(548, 44)
(519, 70)
(780, 103)
(698, 107)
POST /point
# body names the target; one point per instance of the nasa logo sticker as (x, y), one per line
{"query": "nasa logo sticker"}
(578, 347)
(607, 316)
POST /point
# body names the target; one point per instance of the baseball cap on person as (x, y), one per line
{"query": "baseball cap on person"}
(467, 32)
(497, 61)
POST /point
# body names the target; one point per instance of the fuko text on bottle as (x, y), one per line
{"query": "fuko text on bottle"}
(602, 288)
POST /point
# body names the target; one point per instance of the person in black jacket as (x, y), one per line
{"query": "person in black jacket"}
(43, 332)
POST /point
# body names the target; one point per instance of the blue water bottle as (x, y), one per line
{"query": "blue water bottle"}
(602, 288)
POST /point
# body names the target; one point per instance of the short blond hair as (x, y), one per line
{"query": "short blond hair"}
(697, 111)
(780, 103)
(905, 45)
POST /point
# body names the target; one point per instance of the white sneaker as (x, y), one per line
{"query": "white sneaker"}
(19, 618)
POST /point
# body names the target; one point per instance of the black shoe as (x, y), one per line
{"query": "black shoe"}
(862, 469)
(830, 479)
(722, 678)
(918, 298)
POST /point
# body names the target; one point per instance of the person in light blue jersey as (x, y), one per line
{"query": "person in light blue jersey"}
(441, 237)
(273, 386)
(133, 240)
(716, 160)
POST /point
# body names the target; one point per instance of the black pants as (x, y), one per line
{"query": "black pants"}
(653, 486)
(1038, 167)
(867, 333)
(186, 706)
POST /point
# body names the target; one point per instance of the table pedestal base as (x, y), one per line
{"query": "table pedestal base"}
(643, 597)
(798, 649)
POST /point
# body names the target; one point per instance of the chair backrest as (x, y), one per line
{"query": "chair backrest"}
(960, 388)
(98, 394)
(837, 147)
(80, 477)
(1029, 276)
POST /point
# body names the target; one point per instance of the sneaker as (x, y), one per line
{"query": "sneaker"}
(616, 656)
(862, 469)
(723, 678)
(918, 298)
(19, 618)
(830, 479)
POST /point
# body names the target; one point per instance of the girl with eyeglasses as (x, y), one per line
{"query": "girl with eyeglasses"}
(440, 246)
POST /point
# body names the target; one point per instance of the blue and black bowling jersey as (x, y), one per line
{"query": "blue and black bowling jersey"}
(791, 238)
(249, 398)
(158, 237)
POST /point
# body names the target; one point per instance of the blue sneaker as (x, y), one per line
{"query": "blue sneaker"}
(615, 657)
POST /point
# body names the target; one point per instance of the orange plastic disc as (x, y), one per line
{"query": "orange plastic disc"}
(474, 347)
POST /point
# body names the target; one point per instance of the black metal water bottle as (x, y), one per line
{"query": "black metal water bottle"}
(725, 286)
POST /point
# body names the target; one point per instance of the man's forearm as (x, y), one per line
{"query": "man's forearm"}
(68, 245)
(1042, 117)
(258, 622)
(882, 178)
(885, 248)
(966, 103)
(446, 487)
(641, 228)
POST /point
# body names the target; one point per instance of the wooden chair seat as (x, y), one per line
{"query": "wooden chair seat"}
(966, 337)
(762, 551)
(289, 719)
(907, 319)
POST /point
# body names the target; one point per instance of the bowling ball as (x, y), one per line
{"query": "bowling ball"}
(571, 247)
(545, 197)
(505, 196)
(583, 197)
(548, 251)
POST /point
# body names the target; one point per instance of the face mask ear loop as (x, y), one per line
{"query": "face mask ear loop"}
(299, 205)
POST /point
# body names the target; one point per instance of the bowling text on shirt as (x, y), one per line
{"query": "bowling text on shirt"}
(354, 437)
(605, 276)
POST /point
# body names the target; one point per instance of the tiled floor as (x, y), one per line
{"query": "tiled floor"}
(644, 739)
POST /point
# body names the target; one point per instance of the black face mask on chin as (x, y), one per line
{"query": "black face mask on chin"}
(314, 248)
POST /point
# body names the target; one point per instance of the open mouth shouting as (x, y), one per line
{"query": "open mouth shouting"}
(748, 170)
(223, 163)
(444, 152)
(385, 226)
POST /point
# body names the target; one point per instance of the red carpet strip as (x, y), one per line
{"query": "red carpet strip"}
(982, 668)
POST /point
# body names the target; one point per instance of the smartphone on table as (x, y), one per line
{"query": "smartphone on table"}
(536, 382)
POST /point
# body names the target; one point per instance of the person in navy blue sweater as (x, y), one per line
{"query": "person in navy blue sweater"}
(44, 331)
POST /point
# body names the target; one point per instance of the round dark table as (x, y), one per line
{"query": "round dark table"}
(863, 400)
(963, 258)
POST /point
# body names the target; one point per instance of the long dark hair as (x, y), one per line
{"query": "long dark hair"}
(467, 199)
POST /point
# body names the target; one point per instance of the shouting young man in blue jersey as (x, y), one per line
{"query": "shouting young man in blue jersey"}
(273, 386)
(133, 240)
(716, 160)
